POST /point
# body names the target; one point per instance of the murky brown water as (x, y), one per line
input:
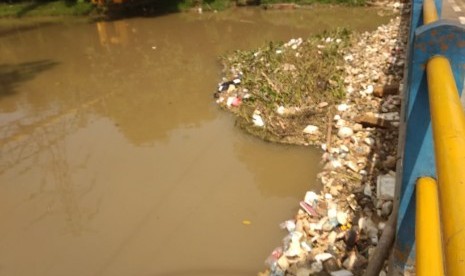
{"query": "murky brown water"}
(115, 161)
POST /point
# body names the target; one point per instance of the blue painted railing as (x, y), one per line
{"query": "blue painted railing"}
(425, 41)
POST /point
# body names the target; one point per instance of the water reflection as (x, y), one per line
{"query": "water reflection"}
(11, 75)
(42, 146)
(115, 32)
(61, 194)
(23, 138)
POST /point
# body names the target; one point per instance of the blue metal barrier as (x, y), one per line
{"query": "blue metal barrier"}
(425, 41)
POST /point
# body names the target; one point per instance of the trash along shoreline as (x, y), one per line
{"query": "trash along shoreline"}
(341, 92)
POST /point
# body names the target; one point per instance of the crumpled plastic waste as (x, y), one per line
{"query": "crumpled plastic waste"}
(257, 119)
(223, 86)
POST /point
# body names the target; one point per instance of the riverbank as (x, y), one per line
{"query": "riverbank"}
(86, 8)
(213, 5)
(45, 9)
(337, 229)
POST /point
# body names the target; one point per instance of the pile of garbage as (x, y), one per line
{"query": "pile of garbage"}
(339, 92)
(277, 90)
(336, 230)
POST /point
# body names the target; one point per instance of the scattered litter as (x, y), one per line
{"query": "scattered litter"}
(236, 102)
(341, 273)
(386, 208)
(311, 129)
(311, 198)
(323, 257)
(386, 186)
(342, 107)
(230, 100)
(257, 120)
(289, 225)
(309, 209)
(345, 132)
(357, 133)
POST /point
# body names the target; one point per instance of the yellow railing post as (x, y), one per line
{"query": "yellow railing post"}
(428, 229)
(448, 120)
(430, 13)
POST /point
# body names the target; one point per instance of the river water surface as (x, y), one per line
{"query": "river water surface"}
(114, 160)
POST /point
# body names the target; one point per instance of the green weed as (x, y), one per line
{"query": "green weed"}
(296, 76)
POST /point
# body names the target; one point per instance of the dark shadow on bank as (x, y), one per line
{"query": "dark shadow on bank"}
(153, 8)
(11, 75)
(140, 8)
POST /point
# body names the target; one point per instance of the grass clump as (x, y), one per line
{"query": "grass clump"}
(219, 5)
(213, 5)
(309, 2)
(289, 85)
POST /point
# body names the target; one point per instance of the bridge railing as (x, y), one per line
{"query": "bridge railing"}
(434, 149)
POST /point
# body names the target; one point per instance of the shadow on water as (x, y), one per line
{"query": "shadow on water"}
(13, 74)
(6, 31)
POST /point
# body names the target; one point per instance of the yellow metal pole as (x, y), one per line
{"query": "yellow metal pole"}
(430, 14)
(428, 229)
(448, 120)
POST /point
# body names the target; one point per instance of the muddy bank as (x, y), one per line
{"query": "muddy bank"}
(337, 229)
